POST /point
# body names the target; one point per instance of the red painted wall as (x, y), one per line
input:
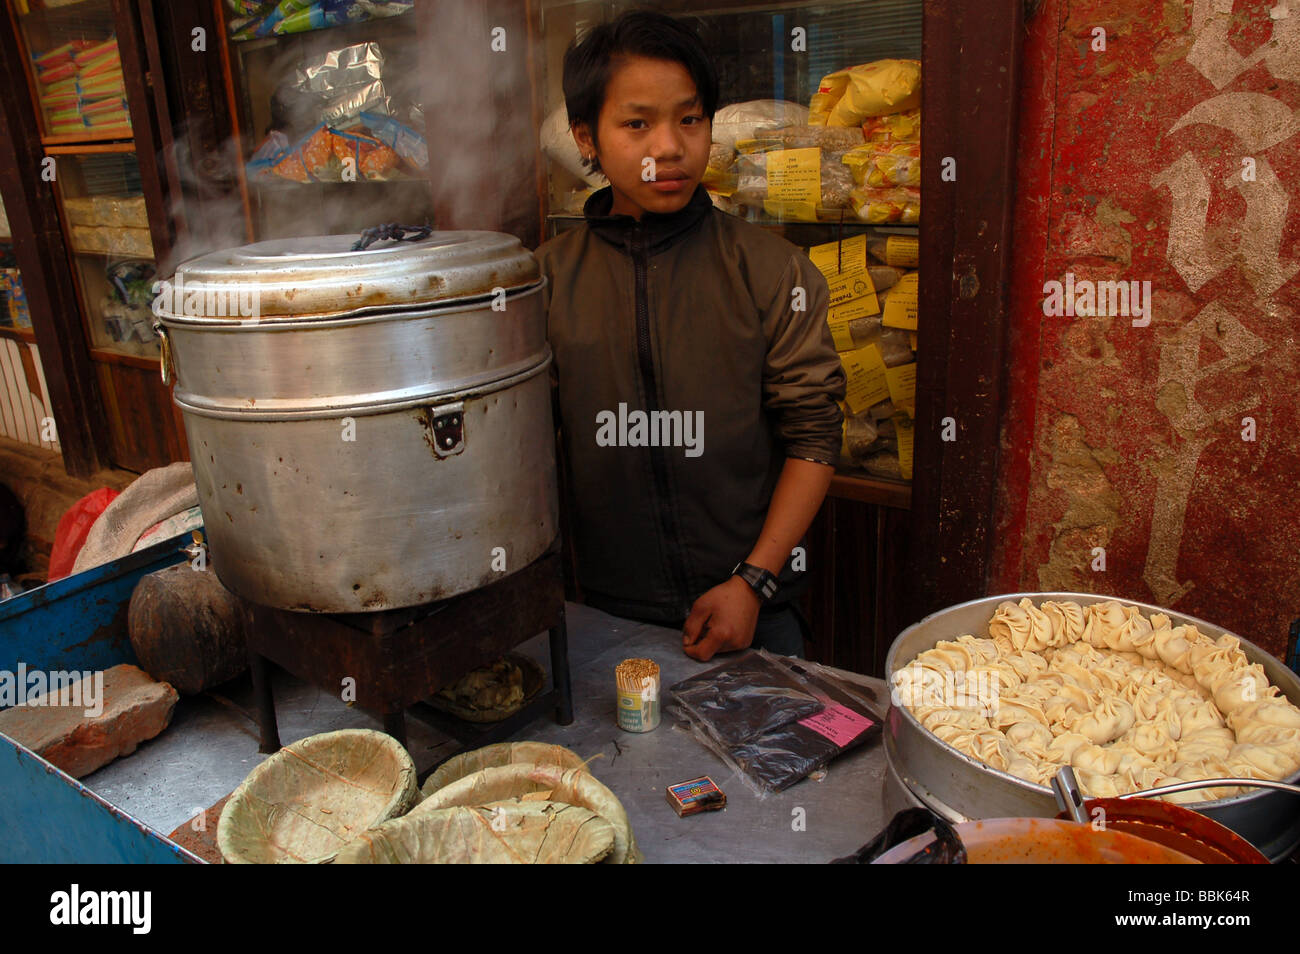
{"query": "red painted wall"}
(1130, 438)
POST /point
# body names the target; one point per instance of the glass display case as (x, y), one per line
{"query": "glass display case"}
(84, 61)
(108, 235)
(329, 118)
(817, 137)
(75, 69)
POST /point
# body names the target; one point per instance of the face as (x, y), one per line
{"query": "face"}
(654, 137)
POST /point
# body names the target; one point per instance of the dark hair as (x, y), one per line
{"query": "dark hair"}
(589, 60)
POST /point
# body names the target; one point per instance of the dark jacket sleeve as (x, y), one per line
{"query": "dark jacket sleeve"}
(803, 380)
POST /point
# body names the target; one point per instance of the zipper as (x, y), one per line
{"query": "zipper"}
(638, 249)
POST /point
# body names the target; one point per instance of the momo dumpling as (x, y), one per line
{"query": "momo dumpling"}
(944, 715)
(916, 685)
(1152, 741)
(1063, 747)
(1270, 711)
(1100, 620)
(1173, 645)
(1272, 761)
(1240, 688)
(1008, 712)
(1030, 738)
(953, 655)
(979, 650)
(1027, 664)
(1144, 642)
(1196, 714)
(1121, 638)
(1067, 621)
(1108, 721)
(1098, 784)
(1020, 626)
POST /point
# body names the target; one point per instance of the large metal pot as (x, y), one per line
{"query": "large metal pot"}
(378, 434)
(953, 784)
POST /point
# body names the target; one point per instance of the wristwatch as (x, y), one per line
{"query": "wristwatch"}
(761, 581)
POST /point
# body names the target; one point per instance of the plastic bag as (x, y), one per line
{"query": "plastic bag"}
(877, 89)
(744, 698)
(880, 206)
(74, 527)
(896, 127)
(776, 758)
(740, 121)
(879, 165)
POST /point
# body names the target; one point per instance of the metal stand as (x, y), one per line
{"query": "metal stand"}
(387, 662)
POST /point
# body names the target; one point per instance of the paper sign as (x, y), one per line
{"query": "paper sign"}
(858, 308)
(838, 723)
(902, 251)
(902, 385)
(904, 428)
(840, 258)
(855, 287)
(901, 306)
(866, 373)
(795, 175)
(840, 333)
(790, 211)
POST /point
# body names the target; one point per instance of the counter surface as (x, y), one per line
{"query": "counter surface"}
(211, 746)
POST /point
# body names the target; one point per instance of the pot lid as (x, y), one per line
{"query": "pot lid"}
(322, 275)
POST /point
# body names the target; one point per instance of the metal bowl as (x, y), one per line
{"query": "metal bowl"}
(960, 788)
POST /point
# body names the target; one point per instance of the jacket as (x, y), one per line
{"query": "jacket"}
(686, 375)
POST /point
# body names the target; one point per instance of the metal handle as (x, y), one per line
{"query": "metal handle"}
(1215, 783)
(391, 230)
(1068, 796)
(165, 347)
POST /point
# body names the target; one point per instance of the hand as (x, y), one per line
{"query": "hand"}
(722, 620)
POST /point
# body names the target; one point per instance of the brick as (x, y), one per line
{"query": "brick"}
(135, 708)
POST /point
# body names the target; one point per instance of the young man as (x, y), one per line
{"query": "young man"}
(698, 384)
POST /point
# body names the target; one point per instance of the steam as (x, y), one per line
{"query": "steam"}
(472, 83)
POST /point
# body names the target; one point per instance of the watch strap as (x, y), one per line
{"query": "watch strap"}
(761, 581)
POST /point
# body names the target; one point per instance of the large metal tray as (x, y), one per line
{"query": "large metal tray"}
(962, 788)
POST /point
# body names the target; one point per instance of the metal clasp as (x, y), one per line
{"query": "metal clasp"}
(448, 429)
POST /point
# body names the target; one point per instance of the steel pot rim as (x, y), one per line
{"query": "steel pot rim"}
(478, 388)
(370, 314)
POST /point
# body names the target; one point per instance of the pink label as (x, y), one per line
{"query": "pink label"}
(838, 723)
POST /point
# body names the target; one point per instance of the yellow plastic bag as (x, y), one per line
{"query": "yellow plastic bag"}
(899, 205)
(878, 89)
(880, 165)
(896, 127)
(829, 91)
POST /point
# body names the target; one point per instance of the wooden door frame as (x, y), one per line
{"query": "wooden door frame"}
(973, 55)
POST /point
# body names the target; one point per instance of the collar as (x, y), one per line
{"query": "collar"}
(659, 231)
